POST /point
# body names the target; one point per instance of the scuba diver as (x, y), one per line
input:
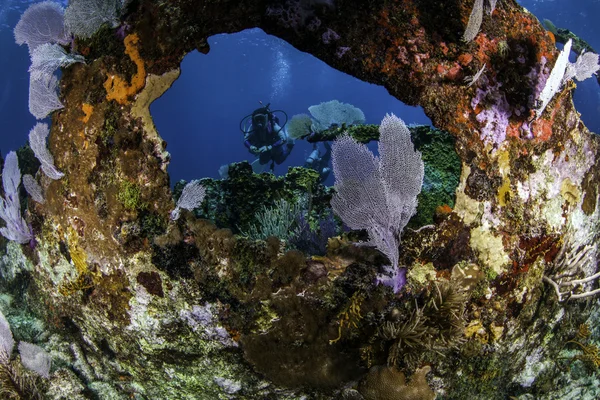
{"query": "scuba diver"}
(265, 138)
(320, 161)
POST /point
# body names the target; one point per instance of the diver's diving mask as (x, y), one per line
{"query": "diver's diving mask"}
(260, 120)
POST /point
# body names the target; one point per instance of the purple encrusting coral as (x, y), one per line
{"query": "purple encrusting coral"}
(202, 319)
(329, 35)
(339, 53)
(496, 109)
(123, 30)
(494, 118)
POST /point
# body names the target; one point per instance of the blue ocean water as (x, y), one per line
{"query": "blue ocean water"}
(199, 116)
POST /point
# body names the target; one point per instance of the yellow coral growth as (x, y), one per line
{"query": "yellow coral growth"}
(87, 110)
(476, 330)
(79, 259)
(85, 278)
(82, 282)
(570, 192)
(77, 253)
(117, 88)
(350, 317)
(583, 332)
(504, 192)
(590, 353)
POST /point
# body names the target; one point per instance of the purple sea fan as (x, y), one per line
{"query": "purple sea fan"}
(33, 189)
(83, 18)
(47, 58)
(379, 195)
(394, 278)
(10, 208)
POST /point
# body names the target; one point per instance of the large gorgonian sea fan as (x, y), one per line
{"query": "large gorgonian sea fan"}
(43, 96)
(379, 194)
(37, 141)
(10, 207)
(35, 358)
(48, 57)
(33, 188)
(83, 18)
(476, 18)
(41, 23)
(335, 113)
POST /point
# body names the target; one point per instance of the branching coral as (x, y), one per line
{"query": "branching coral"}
(436, 326)
(576, 254)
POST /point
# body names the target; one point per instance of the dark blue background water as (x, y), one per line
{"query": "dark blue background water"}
(215, 91)
(199, 116)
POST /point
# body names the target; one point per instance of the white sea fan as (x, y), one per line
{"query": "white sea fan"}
(475, 20)
(191, 197)
(48, 57)
(16, 228)
(84, 17)
(585, 66)
(43, 96)
(470, 80)
(33, 189)
(378, 194)
(333, 112)
(35, 358)
(41, 23)
(555, 80)
(37, 141)
(491, 6)
(6, 339)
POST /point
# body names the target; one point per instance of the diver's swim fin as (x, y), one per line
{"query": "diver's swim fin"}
(257, 167)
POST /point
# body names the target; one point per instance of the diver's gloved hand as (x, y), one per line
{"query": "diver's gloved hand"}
(254, 150)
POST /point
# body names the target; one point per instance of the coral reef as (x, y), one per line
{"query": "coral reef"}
(387, 383)
(138, 306)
